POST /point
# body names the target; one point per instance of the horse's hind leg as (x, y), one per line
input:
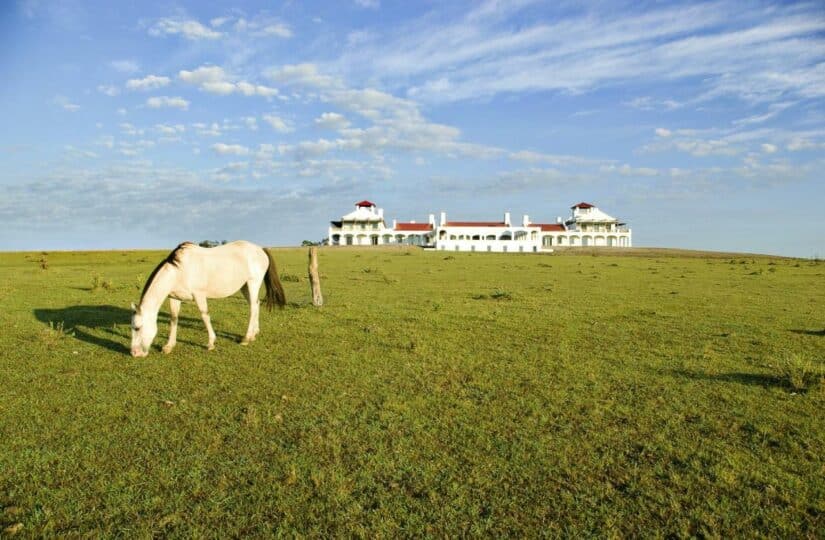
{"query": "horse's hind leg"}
(250, 292)
(200, 301)
(174, 311)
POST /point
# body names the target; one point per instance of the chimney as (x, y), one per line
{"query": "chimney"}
(443, 219)
(395, 224)
(432, 220)
(507, 218)
(525, 221)
(558, 219)
(380, 213)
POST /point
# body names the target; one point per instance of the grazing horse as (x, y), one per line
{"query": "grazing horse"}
(191, 272)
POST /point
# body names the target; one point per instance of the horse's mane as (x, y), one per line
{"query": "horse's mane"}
(173, 258)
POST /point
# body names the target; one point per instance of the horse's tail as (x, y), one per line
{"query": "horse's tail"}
(274, 289)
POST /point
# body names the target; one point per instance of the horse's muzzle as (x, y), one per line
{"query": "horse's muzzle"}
(139, 353)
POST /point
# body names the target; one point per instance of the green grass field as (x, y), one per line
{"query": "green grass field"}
(444, 394)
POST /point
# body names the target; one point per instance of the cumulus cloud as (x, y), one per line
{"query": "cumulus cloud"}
(65, 103)
(165, 101)
(150, 82)
(262, 27)
(301, 75)
(663, 132)
(251, 122)
(202, 75)
(108, 90)
(769, 148)
(217, 22)
(230, 149)
(169, 129)
(277, 29)
(277, 123)
(188, 28)
(214, 80)
(332, 120)
(211, 130)
(125, 66)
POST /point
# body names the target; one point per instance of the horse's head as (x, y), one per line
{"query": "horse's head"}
(143, 332)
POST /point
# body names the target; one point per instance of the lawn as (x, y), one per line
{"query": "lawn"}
(443, 394)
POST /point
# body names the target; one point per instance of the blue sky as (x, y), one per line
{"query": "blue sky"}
(143, 124)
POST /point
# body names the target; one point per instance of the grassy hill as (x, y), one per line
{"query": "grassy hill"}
(655, 394)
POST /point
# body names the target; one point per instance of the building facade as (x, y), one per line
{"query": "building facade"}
(587, 226)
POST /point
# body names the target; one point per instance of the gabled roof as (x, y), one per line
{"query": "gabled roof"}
(476, 224)
(365, 204)
(582, 205)
(549, 226)
(413, 227)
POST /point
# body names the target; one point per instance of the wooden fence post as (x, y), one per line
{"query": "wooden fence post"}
(314, 280)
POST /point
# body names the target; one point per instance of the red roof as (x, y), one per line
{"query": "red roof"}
(413, 227)
(365, 203)
(549, 226)
(582, 205)
(476, 224)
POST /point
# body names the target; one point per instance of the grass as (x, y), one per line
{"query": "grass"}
(656, 394)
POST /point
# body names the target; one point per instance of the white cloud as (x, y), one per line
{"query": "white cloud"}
(128, 129)
(190, 29)
(769, 148)
(168, 129)
(125, 66)
(108, 90)
(647, 103)
(496, 48)
(122, 112)
(106, 140)
(210, 130)
(277, 123)
(230, 149)
(368, 4)
(215, 80)
(78, 152)
(165, 101)
(798, 144)
(202, 75)
(663, 132)
(332, 120)
(217, 22)
(277, 29)
(222, 88)
(65, 103)
(150, 82)
(300, 74)
(251, 122)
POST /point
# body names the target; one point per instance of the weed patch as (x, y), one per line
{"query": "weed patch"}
(801, 373)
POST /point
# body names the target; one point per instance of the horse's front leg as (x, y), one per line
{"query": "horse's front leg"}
(200, 301)
(174, 311)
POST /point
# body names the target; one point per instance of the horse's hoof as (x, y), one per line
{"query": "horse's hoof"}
(210, 347)
(245, 341)
(167, 349)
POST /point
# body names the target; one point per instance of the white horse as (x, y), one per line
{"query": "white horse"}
(191, 272)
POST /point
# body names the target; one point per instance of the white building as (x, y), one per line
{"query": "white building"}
(587, 226)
